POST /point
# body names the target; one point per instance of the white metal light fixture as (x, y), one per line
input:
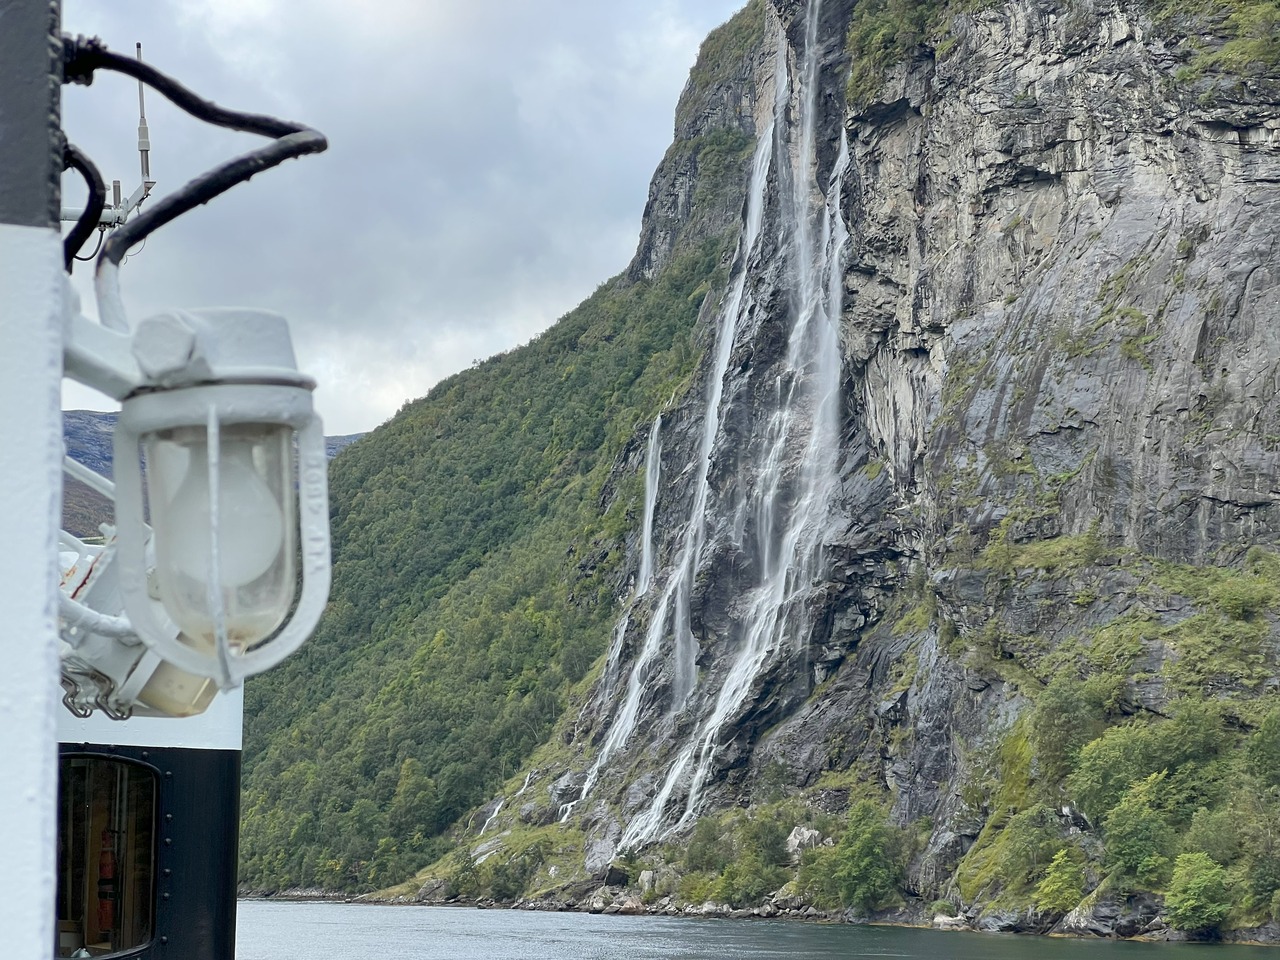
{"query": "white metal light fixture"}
(216, 427)
(218, 564)
(218, 444)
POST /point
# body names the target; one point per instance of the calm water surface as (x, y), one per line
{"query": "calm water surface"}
(337, 931)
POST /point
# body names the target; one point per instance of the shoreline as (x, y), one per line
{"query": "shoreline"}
(1266, 935)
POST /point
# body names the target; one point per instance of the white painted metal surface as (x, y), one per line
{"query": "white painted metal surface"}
(31, 478)
(212, 367)
(221, 727)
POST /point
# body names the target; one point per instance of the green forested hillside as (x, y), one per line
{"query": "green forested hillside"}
(473, 585)
(477, 540)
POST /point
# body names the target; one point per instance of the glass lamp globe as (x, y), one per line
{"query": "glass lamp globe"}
(225, 530)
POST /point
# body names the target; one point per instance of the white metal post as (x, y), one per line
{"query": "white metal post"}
(30, 478)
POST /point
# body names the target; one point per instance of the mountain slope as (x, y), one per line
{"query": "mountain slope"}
(476, 545)
(958, 558)
(1020, 629)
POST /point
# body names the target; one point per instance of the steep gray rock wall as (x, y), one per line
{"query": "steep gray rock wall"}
(714, 129)
(1062, 310)
(1061, 256)
(1060, 295)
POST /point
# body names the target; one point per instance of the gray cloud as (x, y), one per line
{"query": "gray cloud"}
(489, 162)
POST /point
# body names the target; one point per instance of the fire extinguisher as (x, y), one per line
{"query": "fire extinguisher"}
(107, 883)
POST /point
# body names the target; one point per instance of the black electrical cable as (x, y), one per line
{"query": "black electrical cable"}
(101, 232)
(73, 159)
(81, 57)
(207, 186)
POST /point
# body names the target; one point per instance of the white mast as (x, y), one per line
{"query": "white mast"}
(31, 283)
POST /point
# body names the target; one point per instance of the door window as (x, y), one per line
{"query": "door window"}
(106, 856)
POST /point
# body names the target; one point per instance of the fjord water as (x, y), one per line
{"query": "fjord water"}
(338, 931)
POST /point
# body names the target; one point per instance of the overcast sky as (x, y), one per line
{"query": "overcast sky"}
(488, 165)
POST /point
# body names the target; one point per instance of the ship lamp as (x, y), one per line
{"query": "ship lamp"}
(223, 453)
(217, 566)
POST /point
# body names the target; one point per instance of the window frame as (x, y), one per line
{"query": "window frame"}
(66, 758)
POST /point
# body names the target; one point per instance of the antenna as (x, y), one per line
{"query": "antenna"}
(118, 208)
(144, 135)
(144, 157)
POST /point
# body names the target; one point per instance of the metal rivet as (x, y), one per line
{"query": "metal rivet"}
(164, 939)
(167, 872)
(168, 816)
(168, 841)
(145, 754)
(164, 896)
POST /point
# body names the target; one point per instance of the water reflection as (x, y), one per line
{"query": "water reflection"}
(328, 931)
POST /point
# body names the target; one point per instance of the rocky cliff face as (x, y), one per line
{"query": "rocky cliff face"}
(1064, 294)
(715, 125)
(996, 345)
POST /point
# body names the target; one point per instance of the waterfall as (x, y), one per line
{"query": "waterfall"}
(783, 516)
(496, 811)
(672, 606)
(625, 722)
(652, 473)
(675, 601)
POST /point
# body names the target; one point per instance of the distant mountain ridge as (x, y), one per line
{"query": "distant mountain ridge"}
(87, 435)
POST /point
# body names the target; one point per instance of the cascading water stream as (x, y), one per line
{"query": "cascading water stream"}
(797, 466)
(674, 598)
(623, 725)
(496, 810)
(652, 474)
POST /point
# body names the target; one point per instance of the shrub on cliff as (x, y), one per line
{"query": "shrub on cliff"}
(1263, 751)
(1138, 837)
(748, 880)
(736, 859)
(1199, 898)
(863, 870)
(1188, 747)
(707, 850)
(1069, 713)
(1063, 883)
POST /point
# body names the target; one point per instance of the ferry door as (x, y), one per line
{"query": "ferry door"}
(107, 810)
(147, 845)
